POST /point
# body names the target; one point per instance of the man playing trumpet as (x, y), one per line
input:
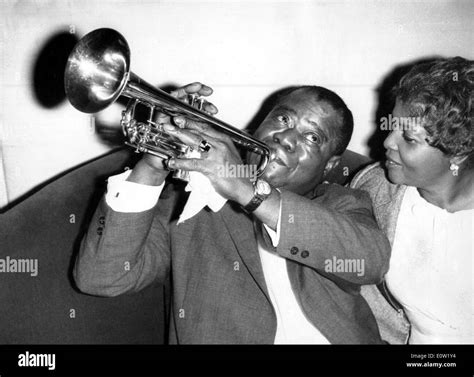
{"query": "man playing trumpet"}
(254, 271)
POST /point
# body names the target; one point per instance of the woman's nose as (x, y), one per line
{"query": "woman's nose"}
(390, 141)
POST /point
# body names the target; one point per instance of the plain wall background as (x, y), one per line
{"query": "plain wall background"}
(245, 50)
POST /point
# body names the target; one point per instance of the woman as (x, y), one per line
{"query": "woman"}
(426, 207)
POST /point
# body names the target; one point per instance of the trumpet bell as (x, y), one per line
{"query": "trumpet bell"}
(97, 70)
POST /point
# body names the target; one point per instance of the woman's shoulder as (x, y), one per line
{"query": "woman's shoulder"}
(373, 180)
(371, 176)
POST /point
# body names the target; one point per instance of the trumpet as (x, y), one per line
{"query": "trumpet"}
(98, 72)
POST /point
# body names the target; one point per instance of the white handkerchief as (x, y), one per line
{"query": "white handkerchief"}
(202, 195)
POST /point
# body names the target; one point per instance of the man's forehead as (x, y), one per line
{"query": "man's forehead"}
(302, 99)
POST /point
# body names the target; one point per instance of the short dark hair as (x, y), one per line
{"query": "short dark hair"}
(346, 124)
(441, 94)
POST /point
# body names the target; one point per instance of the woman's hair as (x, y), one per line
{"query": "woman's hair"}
(440, 93)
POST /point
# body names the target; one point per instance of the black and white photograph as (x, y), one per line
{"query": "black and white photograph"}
(191, 187)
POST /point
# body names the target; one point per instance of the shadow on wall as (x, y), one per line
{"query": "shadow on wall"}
(386, 103)
(48, 81)
(48, 85)
(48, 69)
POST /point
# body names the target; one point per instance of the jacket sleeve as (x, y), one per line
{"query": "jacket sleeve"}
(123, 252)
(335, 233)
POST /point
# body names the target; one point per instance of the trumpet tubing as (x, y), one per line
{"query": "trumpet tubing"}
(98, 73)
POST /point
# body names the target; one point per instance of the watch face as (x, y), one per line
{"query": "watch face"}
(263, 187)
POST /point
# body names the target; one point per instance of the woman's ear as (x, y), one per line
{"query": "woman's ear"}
(458, 160)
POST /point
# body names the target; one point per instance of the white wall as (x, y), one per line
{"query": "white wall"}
(245, 50)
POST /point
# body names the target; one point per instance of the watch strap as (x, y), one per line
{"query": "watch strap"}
(261, 191)
(254, 203)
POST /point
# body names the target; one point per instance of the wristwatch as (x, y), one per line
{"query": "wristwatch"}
(261, 191)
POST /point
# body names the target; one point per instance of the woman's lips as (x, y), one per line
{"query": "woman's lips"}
(392, 163)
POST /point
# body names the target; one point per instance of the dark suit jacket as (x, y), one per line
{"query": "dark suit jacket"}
(219, 293)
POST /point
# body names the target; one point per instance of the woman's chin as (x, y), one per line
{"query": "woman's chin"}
(395, 177)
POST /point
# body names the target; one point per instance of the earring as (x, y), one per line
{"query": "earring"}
(454, 168)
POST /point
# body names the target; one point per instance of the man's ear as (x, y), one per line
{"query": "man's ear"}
(331, 164)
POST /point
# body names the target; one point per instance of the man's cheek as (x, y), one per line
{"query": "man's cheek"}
(264, 131)
(274, 169)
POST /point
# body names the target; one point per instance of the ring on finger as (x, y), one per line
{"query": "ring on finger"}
(204, 146)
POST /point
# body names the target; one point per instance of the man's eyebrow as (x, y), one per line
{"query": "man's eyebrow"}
(285, 108)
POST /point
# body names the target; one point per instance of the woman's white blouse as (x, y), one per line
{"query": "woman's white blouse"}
(431, 271)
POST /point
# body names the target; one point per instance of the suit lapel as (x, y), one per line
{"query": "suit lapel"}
(242, 232)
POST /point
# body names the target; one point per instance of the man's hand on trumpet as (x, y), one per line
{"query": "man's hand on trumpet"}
(151, 170)
(191, 94)
(218, 156)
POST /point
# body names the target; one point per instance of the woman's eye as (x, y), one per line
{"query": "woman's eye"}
(284, 120)
(313, 138)
(409, 139)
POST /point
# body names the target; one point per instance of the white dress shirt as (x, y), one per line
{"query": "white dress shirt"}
(292, 325)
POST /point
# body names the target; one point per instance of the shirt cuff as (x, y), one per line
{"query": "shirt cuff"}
(125, 196)
(274, 235)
